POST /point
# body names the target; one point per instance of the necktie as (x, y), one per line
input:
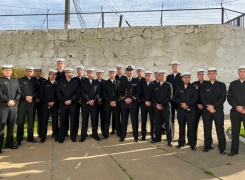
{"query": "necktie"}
(128, 79)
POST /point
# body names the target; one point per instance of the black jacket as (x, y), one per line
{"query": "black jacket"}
(146, 91)
(162, 94)
(9, 90)
(68, 90)
(198, 86)
(110, 91)
(101, 87)
(213, 94)
(48, 92)
(39, 82)
(175, 81)
(129, 90)
(90, 92)
(28, 87)
(188, 95)
(60, 75)
(118, 78)
(236, 94)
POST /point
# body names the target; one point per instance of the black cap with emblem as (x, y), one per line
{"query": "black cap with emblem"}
(129, 68)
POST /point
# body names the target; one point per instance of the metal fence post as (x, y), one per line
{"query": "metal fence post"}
(238, 23)
(47, 21)
(222, 15)
(103, 20)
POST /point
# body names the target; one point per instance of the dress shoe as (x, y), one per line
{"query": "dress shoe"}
(143, 139)
(153, 141)
(119, 135)
(91, 135)
(121, 139)
(86, 135)
(18, 143)
(136, 140)
(56, 140)
(231, 154)
(193, 148)
(206, 149)
(15, 146)
(1, 151)
(170, 144)
(81, 140)
(179, 146)
(67, 134)
(187, 143)
(61, 141)
(113, 132)
(98, 139)
(32, 141)
(163, 132)
(223, 152)
(73, 140)
(42, 141)
(105, 137)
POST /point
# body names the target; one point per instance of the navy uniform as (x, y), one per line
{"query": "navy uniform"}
(68, 90)
(29, 87)
(162, 95)
(129, 88)
(213, 94)
(110, 93)
(187, 94)
(48, 93)
(9, 90)
(147, 89)
(60, 74)
(90, 90)
(236, 97)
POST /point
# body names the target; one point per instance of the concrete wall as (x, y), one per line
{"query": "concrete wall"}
(154, 48)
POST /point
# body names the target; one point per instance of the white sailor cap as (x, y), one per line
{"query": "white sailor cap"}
(60, 60)
(38, 68)
(241, 67)
(80, 67)
(120, 66)
(186, 73)
(162, 72)
(201, 70)
(68, 69)
(129, 68)
(139, 68)
(7, 66)
(99, 71)
(52, 71)
(175, 62)
(112, 70)
(148, 72)
(212, 69)
(29, 68)
(156, 71)
(90, 69)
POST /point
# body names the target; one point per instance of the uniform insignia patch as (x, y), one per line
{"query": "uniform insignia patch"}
(5, 82)
(196, 87)
(25, 82)
(134, 84)
(208, 90)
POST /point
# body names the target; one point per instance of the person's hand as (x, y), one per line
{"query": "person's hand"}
(184, 106)
(37, 100)
(210, 107)
(51, 104)
(113, 104)
(212, 111)
(29, 99)
(243, 112)
(79, 100)
(200, 106)
(11, 103)
(91, 102)
(68, 102)
(159, 107)
(128, 100)
(148, 103)
(239, 109)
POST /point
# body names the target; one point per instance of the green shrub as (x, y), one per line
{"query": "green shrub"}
(17, 72)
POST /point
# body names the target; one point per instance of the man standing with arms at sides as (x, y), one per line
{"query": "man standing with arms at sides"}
(60, 69)
(140, 74)
(68, 93)
(213, 96)
(236, 98)
(162, 96)
(101, 107)
(186, 96)
(147, 88)
(90, 92)
(174, 79)
(48, 96)
(156, 77)
(29, 91)
(38, 105)
(111, 103)
(9, 96)
(80, 78)
(129, 91)
(201, 75)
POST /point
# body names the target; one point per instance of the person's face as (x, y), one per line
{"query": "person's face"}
(129, 73)
(140, 73)
(241, 74)
(201, 76)
(80, 72)
(162, 77)
(175, 68)
(112, 74)
(90, 74)
(212, 75)
(156, 76)
(99, 75)
(148, 77)
(37, 73)
(68, 74)
(119, 71)
(186, 79)
(7, 72)
(29, 73)
(52, 76)
(61, 65)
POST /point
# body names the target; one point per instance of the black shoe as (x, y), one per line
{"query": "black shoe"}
(32, 141)
(52, 135)
(164, 133)
(105, 137)
(1, 151)
(193, 148)
(98, 139)
(121, 139)
(61, 141)
(56, 139)
(119, 135)
(136, 140)
(42, 141)
(179, 146)
(81, 140)
(67, 134)
(153, 141)
(223, 152)
(15, 146)
(73, 140)
(143, 138)
(18, 143)
(187, 143)
(231, 154)
(86, 135)
(206, 149)
(113, 132)
(170, 144)
(91, 135)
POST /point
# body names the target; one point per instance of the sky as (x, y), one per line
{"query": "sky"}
(8, 7)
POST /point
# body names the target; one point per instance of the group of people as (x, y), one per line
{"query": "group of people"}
(64, 97)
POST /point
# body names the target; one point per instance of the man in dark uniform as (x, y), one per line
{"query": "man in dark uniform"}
(9, 96)
(141, 78)
(80, 78)
(213, 96)
(29, 91)
(101, 107)
(38, 105)
(201, 74)
(111, 103)
(90, 92)
(162, 96)
(48, 96)
(129, 91)
(186, 96)
(147, 88)
(68, 94)
(156, 77)
(174, 79)
(236, 98)
(60, 69)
